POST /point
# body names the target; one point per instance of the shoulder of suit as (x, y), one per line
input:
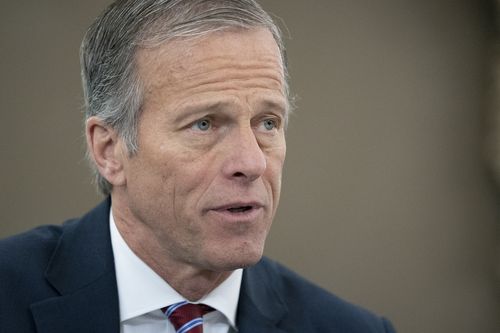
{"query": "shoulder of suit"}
(32, 250)
(306, 299)
(24, 248)
(25, 256)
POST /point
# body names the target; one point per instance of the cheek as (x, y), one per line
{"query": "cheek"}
(275, 162)
(273, 177)
(276, 154)
(190, 180)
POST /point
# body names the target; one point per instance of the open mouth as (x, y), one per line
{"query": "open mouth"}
(242, 209)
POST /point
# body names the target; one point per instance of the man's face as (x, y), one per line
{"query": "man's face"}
(206, 179)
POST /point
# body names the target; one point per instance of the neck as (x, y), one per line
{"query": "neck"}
(191, 282)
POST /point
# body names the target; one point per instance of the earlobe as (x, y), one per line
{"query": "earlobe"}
(106, 149)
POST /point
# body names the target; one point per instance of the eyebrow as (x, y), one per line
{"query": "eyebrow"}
(276, 104)
(188, 109)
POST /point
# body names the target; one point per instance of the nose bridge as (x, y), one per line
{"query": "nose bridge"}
(245, 159)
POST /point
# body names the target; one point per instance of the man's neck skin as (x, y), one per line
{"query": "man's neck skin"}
(191, 282)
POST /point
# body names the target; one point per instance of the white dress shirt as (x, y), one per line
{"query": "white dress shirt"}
(142, 293)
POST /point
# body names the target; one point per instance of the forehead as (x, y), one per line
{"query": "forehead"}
(239, 50)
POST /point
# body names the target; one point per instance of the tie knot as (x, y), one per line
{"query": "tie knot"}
(187, 317)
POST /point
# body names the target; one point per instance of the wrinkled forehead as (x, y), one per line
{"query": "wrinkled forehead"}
(235, 48)
(230, 43)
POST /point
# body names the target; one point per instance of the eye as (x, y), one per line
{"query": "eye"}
(202, 125)
(269, 124)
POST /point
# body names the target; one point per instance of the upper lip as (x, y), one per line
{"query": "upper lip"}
(238, 204)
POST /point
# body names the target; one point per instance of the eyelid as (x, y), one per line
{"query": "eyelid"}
(191, 126)
(196, 124)
(278, 120)
(196, 119)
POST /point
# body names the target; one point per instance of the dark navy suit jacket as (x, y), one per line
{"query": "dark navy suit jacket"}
(61, 279)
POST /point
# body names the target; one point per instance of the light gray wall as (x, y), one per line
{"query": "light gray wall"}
(386, 199)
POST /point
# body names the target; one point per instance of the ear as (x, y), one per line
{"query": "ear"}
(107, 150)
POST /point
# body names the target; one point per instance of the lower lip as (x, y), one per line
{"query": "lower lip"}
(237, 217)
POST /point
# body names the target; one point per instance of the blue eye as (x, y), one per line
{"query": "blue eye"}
(202, 125)
(269, 124)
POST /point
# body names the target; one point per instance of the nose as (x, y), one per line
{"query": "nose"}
(245, 160)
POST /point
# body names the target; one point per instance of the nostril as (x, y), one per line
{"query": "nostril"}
(238, 174)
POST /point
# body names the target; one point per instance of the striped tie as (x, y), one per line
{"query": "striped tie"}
(187, 317)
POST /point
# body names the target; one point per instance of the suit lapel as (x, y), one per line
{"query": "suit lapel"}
(82, 271)
(260, 308)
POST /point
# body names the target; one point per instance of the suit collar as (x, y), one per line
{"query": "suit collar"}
(83, 253)
(261, 306)
(82, 271)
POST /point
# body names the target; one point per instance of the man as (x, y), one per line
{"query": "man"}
(187, 104)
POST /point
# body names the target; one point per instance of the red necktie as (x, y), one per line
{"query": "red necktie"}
(187, 317)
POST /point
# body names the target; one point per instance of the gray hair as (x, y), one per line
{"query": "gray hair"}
(112, 89)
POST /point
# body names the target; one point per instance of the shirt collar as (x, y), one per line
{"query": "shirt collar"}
(141, 290)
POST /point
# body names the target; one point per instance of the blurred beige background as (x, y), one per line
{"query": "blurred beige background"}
(387, 200)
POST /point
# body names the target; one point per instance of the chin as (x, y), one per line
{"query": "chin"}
(231, 260)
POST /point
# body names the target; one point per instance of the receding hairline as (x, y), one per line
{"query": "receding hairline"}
(170, 48)
(191, 43)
